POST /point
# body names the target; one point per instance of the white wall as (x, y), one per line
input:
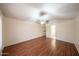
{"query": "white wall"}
(48, 28)
(0, 33)
(15, 31)
(64, 30)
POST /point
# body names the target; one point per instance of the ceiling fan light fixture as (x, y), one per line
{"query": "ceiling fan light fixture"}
(42, 22)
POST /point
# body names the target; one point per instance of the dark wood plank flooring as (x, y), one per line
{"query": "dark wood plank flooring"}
(41, 46)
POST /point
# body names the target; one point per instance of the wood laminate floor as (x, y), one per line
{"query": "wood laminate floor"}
(41, 46)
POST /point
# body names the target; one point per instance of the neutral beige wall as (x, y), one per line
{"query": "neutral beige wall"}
(48, 30)
(64, 30)
(77, 33)
(0, 33)
(77, 30)
(15, 31)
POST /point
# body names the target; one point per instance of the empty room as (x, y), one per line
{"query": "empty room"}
(39, 29)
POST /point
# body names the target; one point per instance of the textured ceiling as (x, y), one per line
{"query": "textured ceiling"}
(26, 11)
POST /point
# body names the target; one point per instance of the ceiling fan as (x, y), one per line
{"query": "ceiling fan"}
(43, 17)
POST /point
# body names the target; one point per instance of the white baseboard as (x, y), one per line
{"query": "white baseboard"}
(77, 47)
